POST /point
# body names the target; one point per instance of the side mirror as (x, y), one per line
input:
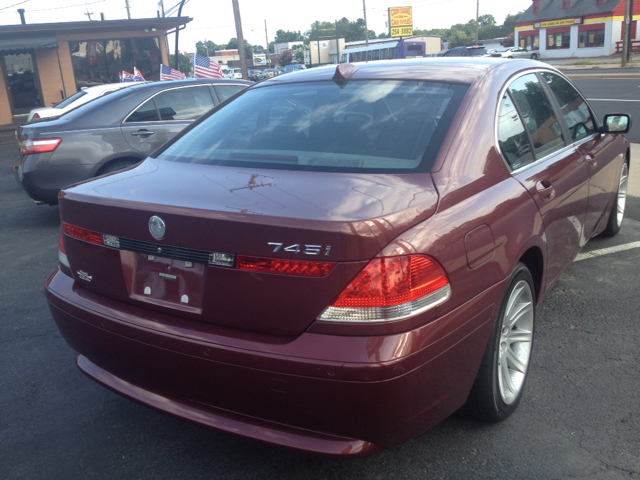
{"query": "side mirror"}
(616, 123)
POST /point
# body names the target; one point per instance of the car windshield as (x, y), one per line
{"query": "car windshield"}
(71, 99)
(377, 126)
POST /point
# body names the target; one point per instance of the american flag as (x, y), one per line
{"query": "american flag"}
(204, 68)
(168, 73)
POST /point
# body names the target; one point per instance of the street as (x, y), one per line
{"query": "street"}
(578, 417)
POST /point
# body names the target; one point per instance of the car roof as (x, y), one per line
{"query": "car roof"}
(453, 70)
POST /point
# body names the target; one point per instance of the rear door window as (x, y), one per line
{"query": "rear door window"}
(539, 117)
(184, 103)
(575, 110)
(226, 91)
(512, 138)
(146, 112)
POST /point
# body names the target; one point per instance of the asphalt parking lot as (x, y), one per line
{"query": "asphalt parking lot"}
(578, 419)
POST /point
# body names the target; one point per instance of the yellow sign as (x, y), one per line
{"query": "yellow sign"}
(400, 21)
(559, 23)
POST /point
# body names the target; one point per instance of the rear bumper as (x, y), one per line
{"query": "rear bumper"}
(307, 392)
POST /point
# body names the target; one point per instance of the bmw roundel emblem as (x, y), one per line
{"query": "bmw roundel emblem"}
(157, 227)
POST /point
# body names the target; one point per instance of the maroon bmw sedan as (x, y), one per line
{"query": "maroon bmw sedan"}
(337, 260)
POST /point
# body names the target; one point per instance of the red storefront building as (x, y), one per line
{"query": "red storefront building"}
(574, 28)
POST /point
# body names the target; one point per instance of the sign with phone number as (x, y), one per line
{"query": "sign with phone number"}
(401, 31)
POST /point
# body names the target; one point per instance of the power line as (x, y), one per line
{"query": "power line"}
(14, 5)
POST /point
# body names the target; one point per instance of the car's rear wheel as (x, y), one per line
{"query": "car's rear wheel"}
(617, 210)
(498, 388)
(535, 56)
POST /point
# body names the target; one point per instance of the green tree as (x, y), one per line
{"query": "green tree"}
(298, 52)
(287, 36)
(208, 48)
(233, 45)
(184, 63)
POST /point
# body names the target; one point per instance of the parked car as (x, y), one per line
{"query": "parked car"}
(86, 94)
(520, 52)
(294, 67)
(272, 72)
(472, 51)
(257, 75)
(338, 260)
(233, 73)
(111, 132)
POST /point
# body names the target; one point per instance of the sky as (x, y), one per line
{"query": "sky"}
(213, 19)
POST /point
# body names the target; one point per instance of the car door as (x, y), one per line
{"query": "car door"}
(549, 167)
(599, 152)
(164, 115)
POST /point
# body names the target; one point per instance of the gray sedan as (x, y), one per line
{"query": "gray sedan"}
(111, 133)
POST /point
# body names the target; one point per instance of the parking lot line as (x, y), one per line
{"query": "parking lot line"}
(606, 251)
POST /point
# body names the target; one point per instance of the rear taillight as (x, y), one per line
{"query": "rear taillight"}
(42, 145)
(62, 255)
(302, 268)
(82, 233)
(391, 288)
(35, 115)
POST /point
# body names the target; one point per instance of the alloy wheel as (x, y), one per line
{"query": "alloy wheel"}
(516, 336)
(622, 193)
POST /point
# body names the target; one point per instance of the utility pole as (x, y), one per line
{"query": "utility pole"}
(477, 17)
(366, 28)
(243, 56)
(161, 4)
(126, 2)
(266, 37)
(630, 47)
(337, 44)
(177, 63)
(625, 34)
(88, 14)
(318, 40)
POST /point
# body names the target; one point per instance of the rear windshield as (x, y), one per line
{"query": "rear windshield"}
(71, 99)
(375, 126)
(474, 52)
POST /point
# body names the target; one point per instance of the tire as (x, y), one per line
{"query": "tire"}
(498, 387)
(534, 56)
(617, 209)
(115, 166)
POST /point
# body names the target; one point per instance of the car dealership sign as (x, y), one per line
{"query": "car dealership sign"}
(400, 21)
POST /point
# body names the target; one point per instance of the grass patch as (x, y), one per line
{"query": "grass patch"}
(584, 61)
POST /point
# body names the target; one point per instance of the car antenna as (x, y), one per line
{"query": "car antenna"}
(344, 71)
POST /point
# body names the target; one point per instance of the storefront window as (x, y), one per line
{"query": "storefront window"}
(530, 42)
(558, 40)
(100, 61)
(591, 38)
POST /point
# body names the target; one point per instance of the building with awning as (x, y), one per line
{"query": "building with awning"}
(44, 63)
(574, 28)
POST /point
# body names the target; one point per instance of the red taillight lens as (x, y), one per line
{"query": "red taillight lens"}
(284, 267)
(82, 233)
(62, 255)
(391, 288)
(42, 145)
(35, 115)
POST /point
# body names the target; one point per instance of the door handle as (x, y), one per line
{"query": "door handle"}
(592, 162)
(545, 190)
(142, 133)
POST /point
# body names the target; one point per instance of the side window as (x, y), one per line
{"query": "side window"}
(226, 91)
(539, 117)
(145, 113)
(574, 108)
(512, 138)
(184, 103)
